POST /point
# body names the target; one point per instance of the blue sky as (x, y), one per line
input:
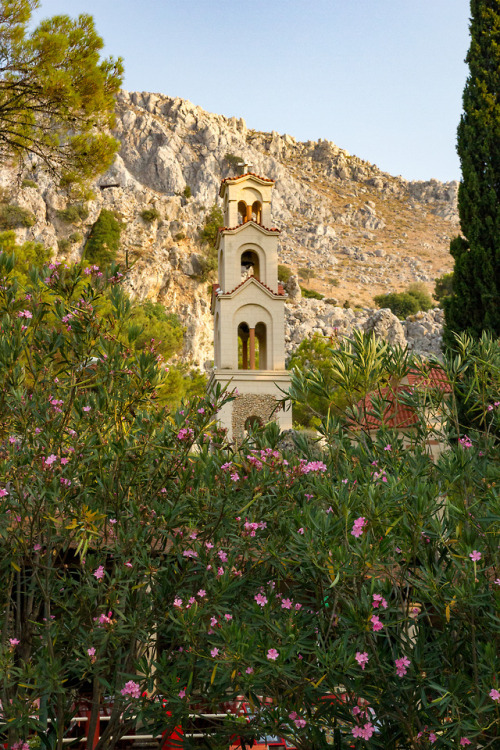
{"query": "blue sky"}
(380, 78)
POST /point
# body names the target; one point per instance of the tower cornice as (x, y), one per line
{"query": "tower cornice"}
(234, 230)
(248, 176)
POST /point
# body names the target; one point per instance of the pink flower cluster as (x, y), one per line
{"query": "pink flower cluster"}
(252, 526)
(299, 723)
(401, 666)
(379, 601)
(131, 688)
(305, 468)
(358, 526)
(185, 433)
(362, 658)
(465, 442)
(363, 732)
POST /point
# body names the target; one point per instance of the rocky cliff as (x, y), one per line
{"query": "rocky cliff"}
(356, 230)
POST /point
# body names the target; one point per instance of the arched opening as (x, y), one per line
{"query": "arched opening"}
(242, 212)
(257, 212)
(243, 341)
(250, 265)
(261, 336)
(252, 423)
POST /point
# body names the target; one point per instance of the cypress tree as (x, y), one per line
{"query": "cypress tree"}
(474, 305)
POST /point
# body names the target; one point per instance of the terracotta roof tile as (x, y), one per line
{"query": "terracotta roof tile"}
(395, 415)
(434, 378)
(230, 229)
(247, 174)
(280, 292)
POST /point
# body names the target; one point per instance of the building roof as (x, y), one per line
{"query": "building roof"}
(250, 221)
(216, 288)
(397, 414)
(247, 174)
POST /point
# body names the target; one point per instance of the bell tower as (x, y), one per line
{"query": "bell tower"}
(248, 304)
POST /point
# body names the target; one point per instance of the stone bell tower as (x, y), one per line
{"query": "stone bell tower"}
(248, 305)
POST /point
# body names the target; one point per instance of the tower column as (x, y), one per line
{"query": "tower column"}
(249, 214)
(252, 348)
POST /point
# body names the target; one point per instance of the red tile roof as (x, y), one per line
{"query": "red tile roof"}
(231, 229)
(247, 174)
(434, 378)
(394, 414)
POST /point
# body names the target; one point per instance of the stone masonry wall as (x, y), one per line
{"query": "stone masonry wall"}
(251, 405)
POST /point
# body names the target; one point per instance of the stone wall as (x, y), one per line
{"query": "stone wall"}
(251, 405)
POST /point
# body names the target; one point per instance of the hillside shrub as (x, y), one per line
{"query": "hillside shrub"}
(284, 273)
(14, 217)
(73, 214)
(26, 183)
(187, 192)
(406, 303)
(150, 214)
(306, 273)
(233, 160)
(75, 237)
(103, 241)
(311, 293)
(208, 234)
(401, 304)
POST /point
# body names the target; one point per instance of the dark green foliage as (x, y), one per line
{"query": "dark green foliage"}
(104, 239)
(284, 273)
(75, 237)
(307, 273)
(63, 244)
(187, 192)
(73, 214)
(233, 160)
(57, 96)
(419, 291)
(474, 304)
(150, 214)
(12, 216)
(401, 304)
(29, 184)
(311, 294)
(333, 281)
(214, 221)
(443, 287)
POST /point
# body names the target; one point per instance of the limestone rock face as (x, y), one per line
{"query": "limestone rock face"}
(340, 217)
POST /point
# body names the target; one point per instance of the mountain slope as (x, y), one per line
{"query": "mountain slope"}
(360, 231)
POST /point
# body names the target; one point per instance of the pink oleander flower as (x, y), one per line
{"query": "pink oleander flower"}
(358, 526)
(189, 553)
(14, 642)
(464, 741)
(37, 547)
(364, 732)
(260, 599)
(182, 693)
(3, 492)
(494, 694)
(249, 670)
(86, 408)
(209, 545)
(376, 624)
(99, 572)
(91, 651)
(286, 603)
(301, 530)
(388, 447)
(475, 556)
(214, 652)
(222, 556)
(432, 738)
(235, 476)
(177, 602)
(497, 581)
(50, 460)
(401, 666)
(220, 572)
(228, 617)
(362, 658)
(379, 601)
(213, 621)
(272, 654)
(131, 688)
(202, 593)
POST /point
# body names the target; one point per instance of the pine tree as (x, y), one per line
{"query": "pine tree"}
(57, 95)
(474, 305)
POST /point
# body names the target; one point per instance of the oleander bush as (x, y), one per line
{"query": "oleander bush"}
(150, 567)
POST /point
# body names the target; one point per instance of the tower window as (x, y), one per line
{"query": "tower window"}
(250, 265)
(257, 212)
(242, 212)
